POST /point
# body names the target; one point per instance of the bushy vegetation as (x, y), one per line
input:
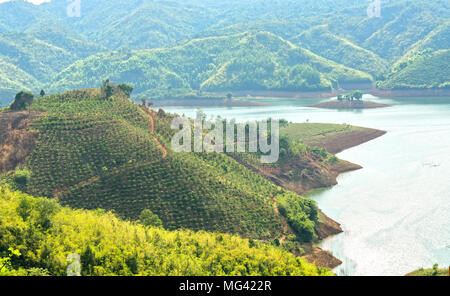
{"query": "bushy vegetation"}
(22, 101)
(37, 235)
(301, 214)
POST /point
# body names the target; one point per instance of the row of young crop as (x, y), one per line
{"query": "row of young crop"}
(191, 198)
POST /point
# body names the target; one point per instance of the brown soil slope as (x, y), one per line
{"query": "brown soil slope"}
(16, 140)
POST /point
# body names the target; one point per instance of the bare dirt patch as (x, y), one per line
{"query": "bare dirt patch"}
(16, 139)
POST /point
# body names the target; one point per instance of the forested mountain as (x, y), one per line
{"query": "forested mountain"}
(246, 61)
(61, 52)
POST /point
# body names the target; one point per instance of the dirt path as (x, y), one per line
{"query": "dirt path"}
(152, 130)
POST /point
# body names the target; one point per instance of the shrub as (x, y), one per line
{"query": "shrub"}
(22, 101)
(147, 218)
(22, 177)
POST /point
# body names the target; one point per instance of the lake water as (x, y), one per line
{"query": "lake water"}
(395, 211)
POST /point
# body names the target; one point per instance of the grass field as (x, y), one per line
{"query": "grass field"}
(313, 134)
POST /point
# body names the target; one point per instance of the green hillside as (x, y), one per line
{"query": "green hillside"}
(37, 235)
(61, 36)
(36, 57)
(11, 79)
(319, 39)
(92, 152)
(247, 61)
(242, 45)
(426, 70)
(438, 39)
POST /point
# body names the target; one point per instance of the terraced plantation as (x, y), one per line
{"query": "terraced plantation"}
(95, 152)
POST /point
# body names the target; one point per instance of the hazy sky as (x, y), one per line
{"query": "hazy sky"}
(32, 1)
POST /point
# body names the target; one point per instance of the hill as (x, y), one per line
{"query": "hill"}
(423, 71)
(37, 235)
(438, 39)
(319, 39)
(331, 37)
(246, 61)
(13, 78)
(89, 151)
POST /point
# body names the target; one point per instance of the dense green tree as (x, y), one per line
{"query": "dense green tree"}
(148, 218)
(87, 261)
(22, 101)
(357, 94)
(126, 89)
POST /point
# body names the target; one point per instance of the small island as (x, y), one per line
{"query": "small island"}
(350, 101)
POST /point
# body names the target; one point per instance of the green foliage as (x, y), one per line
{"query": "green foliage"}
(22, 101)
(357, 94)
(126, 89)
(147, 218)
(109, 246)
(22, 177)
(301, 214)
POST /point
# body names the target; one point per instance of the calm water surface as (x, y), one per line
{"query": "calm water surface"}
(395, 211)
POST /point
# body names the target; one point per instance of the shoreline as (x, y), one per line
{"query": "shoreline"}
(328, 227)
(250, 98)
(207, 103)
(348, 105)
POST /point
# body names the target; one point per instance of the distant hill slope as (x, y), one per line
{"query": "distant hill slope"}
(427, 70)
(43, 235)
(319, 39)
(438, 39)
(247, 61)
(49, 41)
(91, 152)
(36, 57)
(11, 79)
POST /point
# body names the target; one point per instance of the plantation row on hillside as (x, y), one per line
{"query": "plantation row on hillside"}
(38, 236)
(93, 150)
